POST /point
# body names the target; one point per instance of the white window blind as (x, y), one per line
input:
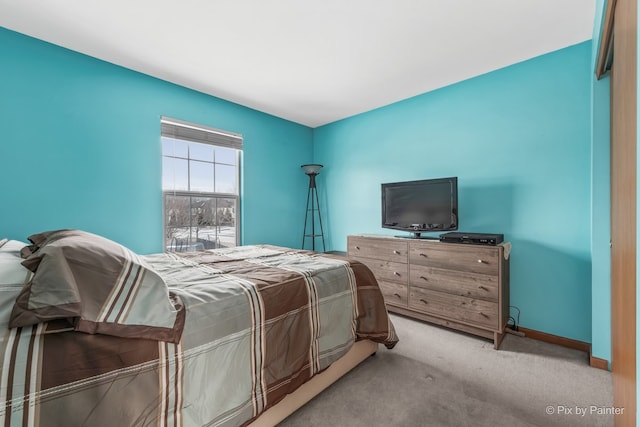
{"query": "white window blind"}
(179, 129)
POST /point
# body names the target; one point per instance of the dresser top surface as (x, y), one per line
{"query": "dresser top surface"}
(422, 239)
(506, 246)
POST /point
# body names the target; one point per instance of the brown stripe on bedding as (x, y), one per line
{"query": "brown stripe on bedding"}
(28, 372)
(258, 391)
(17, 377)
(371, 324)
(65, 358)
(314, 316)
(286, 362)
(22, 315)
(119, 289)
(109, 299)
(282, 291)
(167, 381)
(10, 375)
(179, 378)
(162, 385)
(156, 333)
(131, 293)
(37, 408)
(176, 387)
(170, 384)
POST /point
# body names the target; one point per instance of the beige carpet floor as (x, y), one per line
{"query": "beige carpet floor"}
(437, 377)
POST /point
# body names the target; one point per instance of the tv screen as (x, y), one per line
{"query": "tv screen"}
(417, 206)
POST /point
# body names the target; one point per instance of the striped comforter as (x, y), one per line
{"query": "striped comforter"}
(260, 321)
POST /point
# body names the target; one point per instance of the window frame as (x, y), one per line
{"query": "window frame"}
(194, 133)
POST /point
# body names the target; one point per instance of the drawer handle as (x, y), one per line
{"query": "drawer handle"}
(424, 278)
(484, 315)
(396, 252)
(395, 273)
(422, 254)
(421, 300)
(358, 247)
(484, 288)
(397, 295)
(481, 261)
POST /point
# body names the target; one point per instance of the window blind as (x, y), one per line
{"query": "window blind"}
(174, 128)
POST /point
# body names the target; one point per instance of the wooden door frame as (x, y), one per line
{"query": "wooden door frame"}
(618, 52)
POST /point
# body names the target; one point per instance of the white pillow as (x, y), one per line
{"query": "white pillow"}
(7, 245)
(12, 272)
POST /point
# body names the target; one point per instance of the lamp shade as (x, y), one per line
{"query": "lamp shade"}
(312, 169)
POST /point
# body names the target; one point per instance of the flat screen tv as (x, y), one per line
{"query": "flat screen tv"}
(421, 206)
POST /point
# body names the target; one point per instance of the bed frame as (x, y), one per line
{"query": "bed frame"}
(360, 351)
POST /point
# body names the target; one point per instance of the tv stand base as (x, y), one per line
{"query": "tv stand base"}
(418, 236)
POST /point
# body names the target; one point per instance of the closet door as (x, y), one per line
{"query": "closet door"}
(623, 209)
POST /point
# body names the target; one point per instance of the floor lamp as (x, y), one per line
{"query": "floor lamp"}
(313, 207)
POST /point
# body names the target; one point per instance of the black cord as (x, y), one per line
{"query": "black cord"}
(516, 322)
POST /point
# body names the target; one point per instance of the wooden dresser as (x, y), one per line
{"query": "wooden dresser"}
(461, 286)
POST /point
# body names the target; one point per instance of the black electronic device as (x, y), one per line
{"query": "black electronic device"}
(421, 206)
(472, 238)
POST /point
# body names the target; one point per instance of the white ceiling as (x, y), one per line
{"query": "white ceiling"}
(308, 62)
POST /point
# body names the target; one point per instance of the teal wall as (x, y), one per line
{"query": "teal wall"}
(80, 148)
(600, 203)
(519, 141)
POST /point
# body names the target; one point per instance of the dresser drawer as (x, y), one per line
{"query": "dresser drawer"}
(386, 270)
(479, 312)
(394, 293)
(471, 258)
(472, 285)
(460, 286)
(383, 249)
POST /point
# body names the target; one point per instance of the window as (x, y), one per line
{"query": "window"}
(200, 185)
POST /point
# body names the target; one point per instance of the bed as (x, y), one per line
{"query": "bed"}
(94, 334)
